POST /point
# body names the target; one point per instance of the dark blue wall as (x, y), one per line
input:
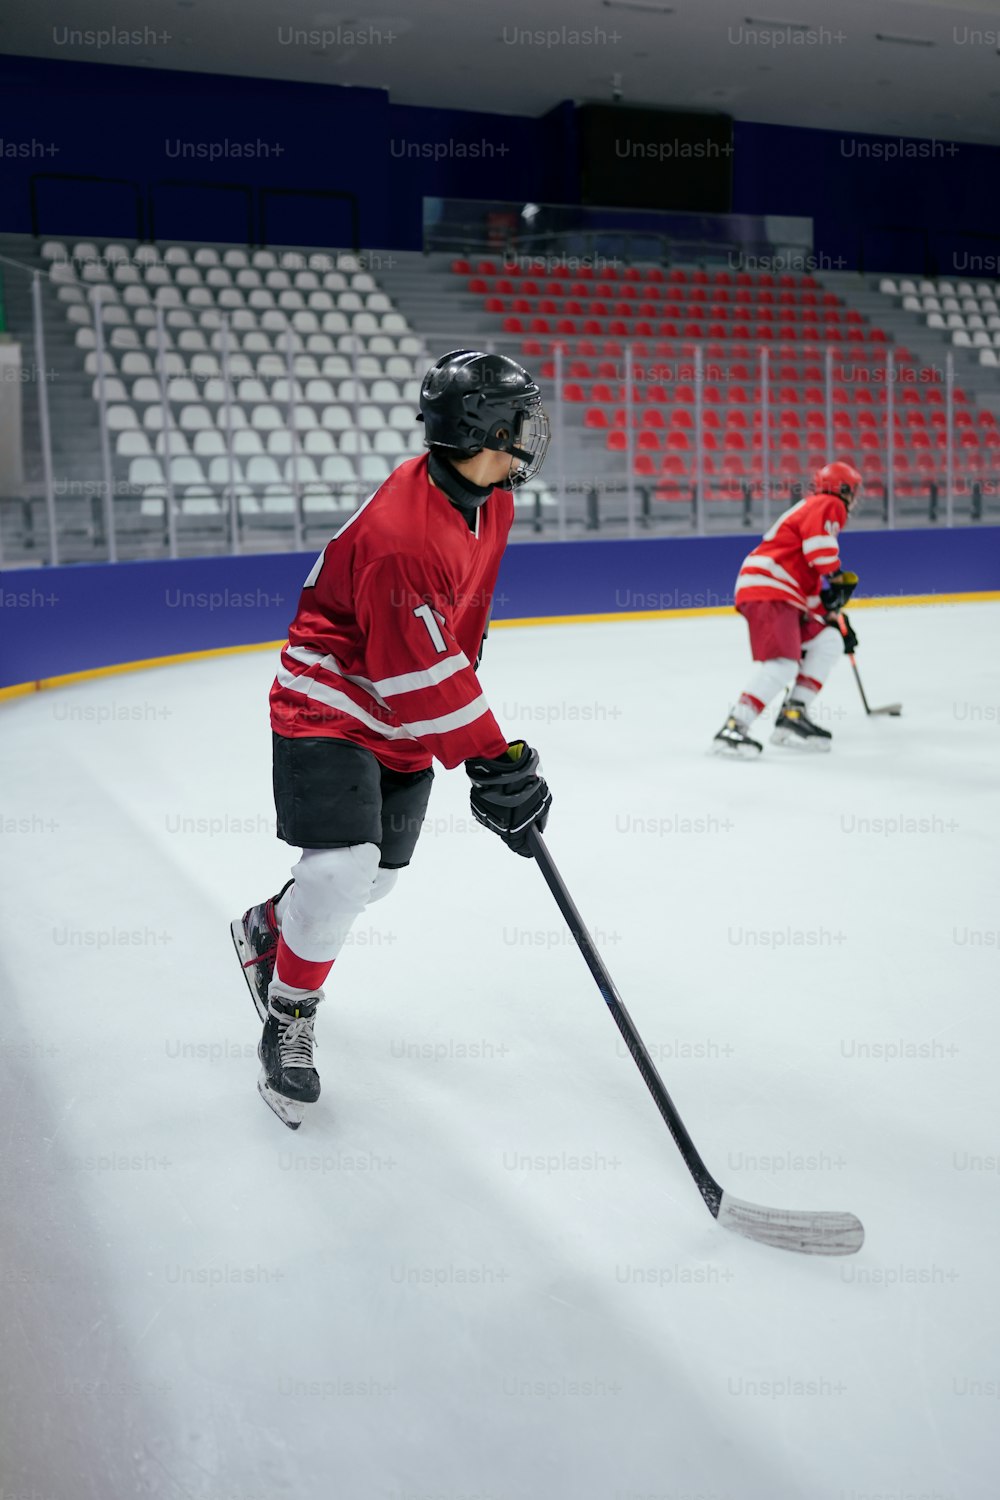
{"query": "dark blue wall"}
(874, 205)
(63, 620)
(345, 138)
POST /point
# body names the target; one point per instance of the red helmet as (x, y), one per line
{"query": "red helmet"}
(838, 479)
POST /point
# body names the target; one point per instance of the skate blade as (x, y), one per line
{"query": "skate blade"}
(244, 955)
(789, 738)
(290, 1112)
(735, 752)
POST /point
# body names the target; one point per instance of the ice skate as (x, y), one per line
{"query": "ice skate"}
(732, 739)
(255, 938)
(794, 727)
(288, 1078)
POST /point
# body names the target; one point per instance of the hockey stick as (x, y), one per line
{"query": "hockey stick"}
(809, 1233)
(895, 709)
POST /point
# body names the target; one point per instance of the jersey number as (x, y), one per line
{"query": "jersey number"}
(425, 613)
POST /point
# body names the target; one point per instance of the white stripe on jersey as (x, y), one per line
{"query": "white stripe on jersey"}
(820, 544)
(309, 687)
(406, 682)
(456, 720)
(763, 561)
(330, 663)
(409, 682)
(763, 581)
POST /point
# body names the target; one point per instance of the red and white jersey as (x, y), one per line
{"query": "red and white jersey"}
(389, 622)
(800, 548)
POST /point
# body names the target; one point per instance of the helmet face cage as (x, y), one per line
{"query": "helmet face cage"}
(530, 445)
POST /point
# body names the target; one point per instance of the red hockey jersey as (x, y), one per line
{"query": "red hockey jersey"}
(800, 548)
(389, 622)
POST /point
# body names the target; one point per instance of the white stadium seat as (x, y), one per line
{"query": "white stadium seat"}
(171, 440)
(209, 443)
(374, 468)
(301, 468)
(132, 444)
(145, 471)
(262, 470)
(265, 416)
(223, 470)
(338, 468)
(186, 470)
(121, 417)
(335, 418)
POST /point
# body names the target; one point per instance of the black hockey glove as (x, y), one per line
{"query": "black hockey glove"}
(508, 796)
(839, 588)
(850, 639)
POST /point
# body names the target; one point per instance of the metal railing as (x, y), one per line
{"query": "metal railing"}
(673, 436)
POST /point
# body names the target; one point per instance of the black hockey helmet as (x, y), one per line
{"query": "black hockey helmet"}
(470, 401)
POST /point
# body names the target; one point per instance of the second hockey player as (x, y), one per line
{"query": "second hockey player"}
(793, 619)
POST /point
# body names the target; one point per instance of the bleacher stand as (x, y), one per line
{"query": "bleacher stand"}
(663, 314)
(290, 381)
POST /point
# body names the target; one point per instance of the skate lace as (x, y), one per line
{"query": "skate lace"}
(296, 1041)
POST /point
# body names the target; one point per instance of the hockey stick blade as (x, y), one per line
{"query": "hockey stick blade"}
(804, 1232)
(894, 709)
(787, 1229)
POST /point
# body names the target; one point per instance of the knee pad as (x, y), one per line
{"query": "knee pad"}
(331, 890)
(382, 884)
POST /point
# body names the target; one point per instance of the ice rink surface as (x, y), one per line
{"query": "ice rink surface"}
(480, 1269)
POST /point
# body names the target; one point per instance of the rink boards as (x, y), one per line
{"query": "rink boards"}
(86, 620)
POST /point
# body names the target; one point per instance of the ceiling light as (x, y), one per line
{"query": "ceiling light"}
(777, 25)
(904, 41)
(648, 6)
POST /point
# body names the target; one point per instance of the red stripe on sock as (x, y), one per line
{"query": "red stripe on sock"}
(808, 682)
(749, 701)
(297, 972)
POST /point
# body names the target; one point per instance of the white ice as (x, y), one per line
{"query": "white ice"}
(480, 1269)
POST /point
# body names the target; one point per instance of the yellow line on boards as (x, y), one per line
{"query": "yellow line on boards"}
(21, 689)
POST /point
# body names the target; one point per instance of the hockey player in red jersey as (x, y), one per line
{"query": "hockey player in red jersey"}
(378, 679)
(788, 610)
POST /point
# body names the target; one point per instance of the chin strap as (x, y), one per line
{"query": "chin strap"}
(460, 491)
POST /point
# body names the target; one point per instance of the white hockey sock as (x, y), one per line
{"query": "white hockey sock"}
(769, 679)
(817, 660)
